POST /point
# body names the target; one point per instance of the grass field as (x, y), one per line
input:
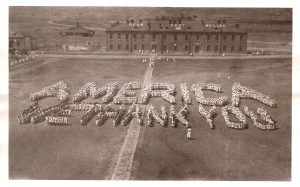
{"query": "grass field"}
(90, 152)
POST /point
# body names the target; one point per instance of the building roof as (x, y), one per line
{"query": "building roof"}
(16, 34)
(78, 29)
(166, 26)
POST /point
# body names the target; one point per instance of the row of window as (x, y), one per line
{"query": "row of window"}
(216, 37)
(217, 48)
(197, 48)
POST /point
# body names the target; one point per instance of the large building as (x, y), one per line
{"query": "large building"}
(21, 42)
(176, 36)
(77, 38)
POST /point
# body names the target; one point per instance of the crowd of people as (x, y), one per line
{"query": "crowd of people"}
(172, 116)
(198, 90)
(89, 115)
(239, 91)
(181, 116)
(15, 59)
(271, 124)
(105, 114)
(126, 95)
(64, 112)
(208, 115)
(240, 116)
(60, 90)
(265, 116)
(83, 106)
(56, 120)
(120, 114)
(90, 89)
(164, 90)
(186, 99)
(40, 116)
(152, 115)
(25, 116)
(133, 112)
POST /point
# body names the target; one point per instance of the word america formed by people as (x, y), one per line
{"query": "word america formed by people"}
(127, 95)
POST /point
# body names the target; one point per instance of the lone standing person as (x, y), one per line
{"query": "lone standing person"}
(189, 133)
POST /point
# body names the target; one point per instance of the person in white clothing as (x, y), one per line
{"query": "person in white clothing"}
(189, 133)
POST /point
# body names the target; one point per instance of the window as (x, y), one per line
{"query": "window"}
(186, 48)
(127, 47)
(216, 48)
(175, 37)
(154, 47)
(225, 37)
(134, 47)
(197, 37)
(164, 47)
(143, 36)
(197, 49)
(110, 35)
(134, 36)
(143, 47)
(111, 46)
(119, 47)
(241, 48)
(175, 48)
(232, 38)
(232, 48)
(216, 37)
(119, 35)
(153, 36)
(208, 37)
(164, 37)
(241, 37)
(126, 36)
(186, 37)
(208, 48)
(224, 48)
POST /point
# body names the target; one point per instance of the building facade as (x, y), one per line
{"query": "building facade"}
(21, 42)
(176, 36)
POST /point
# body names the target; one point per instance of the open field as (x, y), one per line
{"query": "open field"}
(90, 152)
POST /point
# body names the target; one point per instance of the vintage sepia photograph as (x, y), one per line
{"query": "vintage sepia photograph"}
(150, 93)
